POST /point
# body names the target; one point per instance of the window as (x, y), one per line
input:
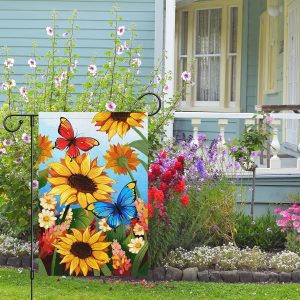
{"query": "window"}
(209, 44)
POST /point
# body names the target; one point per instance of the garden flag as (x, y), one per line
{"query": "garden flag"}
(93, 183)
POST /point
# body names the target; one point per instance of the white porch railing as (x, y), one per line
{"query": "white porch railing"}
(276, 166)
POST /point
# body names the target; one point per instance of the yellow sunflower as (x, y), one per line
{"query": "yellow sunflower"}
(121, 159)
(118, 122)
(46, 148)
(83, 251)
(79, 180)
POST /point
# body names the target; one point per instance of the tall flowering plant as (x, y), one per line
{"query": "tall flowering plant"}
(289, 222)
(167, 196)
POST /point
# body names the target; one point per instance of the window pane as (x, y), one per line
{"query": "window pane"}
(208, 79)
(208, 34)
(233, 29)
(184, 32)
(233, 79)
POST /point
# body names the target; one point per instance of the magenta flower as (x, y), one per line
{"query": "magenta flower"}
(268, 119)
(7, 143)
(35, 184)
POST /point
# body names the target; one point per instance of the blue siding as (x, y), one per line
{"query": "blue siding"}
(22, 22)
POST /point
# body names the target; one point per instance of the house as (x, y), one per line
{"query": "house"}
(241, 53)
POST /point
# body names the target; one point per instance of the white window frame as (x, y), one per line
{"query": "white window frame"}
(190, 103)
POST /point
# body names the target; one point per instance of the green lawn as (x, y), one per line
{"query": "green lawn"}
(15, 285)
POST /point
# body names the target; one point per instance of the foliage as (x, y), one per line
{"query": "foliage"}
(50, 85)
(262, 232)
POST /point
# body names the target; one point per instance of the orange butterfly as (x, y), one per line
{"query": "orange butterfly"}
(70, 142)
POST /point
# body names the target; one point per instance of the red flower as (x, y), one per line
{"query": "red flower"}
(159, 196)
(179, 187)
(155, 169)
(184, 200)
(178, 166)
(150, 176)
(167, 176)
(180, 158)
(164, 154)
(150, 210)
(164, 187)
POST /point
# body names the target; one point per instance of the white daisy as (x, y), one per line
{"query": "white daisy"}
(48, 201)
(46, 218)
(138, 229)
(104, 226)
(136, 245)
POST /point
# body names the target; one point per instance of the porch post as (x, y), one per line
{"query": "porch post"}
(170, 53)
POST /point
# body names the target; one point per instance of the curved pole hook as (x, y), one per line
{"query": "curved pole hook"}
(12, 129)
(159, 102)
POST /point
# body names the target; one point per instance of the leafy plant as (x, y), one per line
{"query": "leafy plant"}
(262, 232)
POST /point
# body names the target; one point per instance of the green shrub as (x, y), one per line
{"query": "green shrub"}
(263, 232)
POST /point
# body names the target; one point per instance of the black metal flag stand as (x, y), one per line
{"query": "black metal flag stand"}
(32, 123)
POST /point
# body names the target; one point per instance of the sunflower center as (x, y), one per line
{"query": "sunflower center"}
(46, 218)
(82, 183)
(81, 250)
(120, 116)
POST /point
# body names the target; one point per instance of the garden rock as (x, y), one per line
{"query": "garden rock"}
(230, 276)
(246, 276)
(14, 262)
(3, 260)
(296, 276)
(273, 277)
(173, 274)
(190, 274)
(260, 277)
(285, 277)
(215, 276)
(26, 262)
(203, 276)
(159, 274)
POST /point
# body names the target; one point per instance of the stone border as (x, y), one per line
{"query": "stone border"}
(17, 262)
(193, 274)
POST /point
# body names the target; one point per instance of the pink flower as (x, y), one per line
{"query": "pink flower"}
(18, 160)
(26, 138)
(7, 143)
(120, 50)
(35, 184)
(49, 31)
(186, 76)
(2, 151)
(9, 63)
(92, 69)
(111, 106)
(121, 30)
(268, 119)
(32, 63)
(10, 83)
(158, 78)
(166, 88)
(136, 62)
(23, 91)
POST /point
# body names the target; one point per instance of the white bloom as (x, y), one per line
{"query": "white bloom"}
(9, 63)
(138, 229)
(92, 69)
(9, 84)
(158, 78)
(136, 62)
(26, 138)
(111, 106)
(46, 218)
(120, 50)
(32, 63)
(18, 160)
(65, 34)
(104, 226)
(121, 30)
(186, 76)
(74, 65)
(126, 46)
(136, 245)
(7, 143)
(23, 91)
(2, 151)
(49, 31)
(48, 201)
(166, 88)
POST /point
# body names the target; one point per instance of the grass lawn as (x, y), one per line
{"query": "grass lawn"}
(15, 285)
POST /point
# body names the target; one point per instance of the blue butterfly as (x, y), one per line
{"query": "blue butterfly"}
(122, 210)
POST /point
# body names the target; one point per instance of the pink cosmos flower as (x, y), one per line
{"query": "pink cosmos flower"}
(92, 69)
(49, 31)
(121, 30)
(32, 63)
(268, 119)
(23, 91)
(9, 63)
(111, 106)
(186, 76)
